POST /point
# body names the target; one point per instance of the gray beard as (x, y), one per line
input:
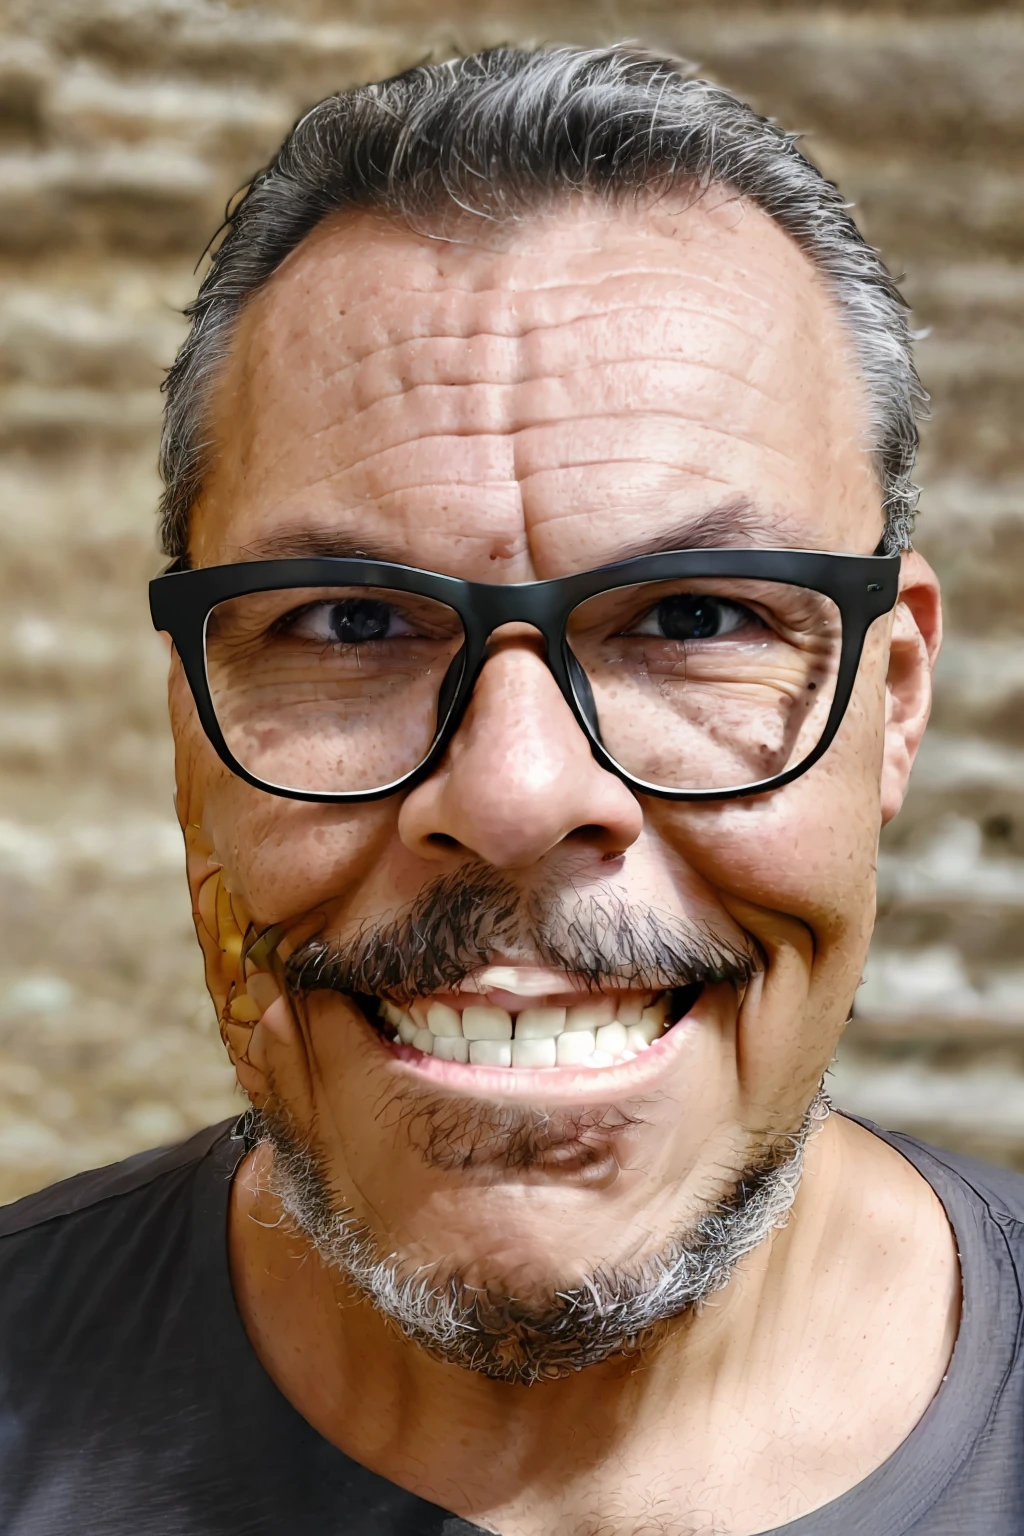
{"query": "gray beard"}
(612, 1312)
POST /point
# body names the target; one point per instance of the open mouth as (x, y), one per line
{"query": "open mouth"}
(490, 1026)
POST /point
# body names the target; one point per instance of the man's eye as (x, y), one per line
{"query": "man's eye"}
(351, 621)
(694, 616)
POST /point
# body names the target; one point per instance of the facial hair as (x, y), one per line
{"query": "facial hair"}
(612, 1311)
(459, 923)
(466, 919)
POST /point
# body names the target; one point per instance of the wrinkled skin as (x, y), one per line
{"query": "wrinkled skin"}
(505, 407)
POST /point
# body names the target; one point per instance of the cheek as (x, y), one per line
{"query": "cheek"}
(809, 850)
(195, 762)
(287, 858)
(281, 857)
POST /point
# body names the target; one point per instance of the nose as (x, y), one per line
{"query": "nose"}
(519, 776)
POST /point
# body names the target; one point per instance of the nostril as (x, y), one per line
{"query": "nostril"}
(442, 840)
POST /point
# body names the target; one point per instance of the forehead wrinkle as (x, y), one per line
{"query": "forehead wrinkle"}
(682, 498)
(394, 341)
(607, 361)
(510, 312)
(358, 528)
(357, 508)
(508, 440)
(624, 461)
(449, 487)
(390, 356)
(443, 487)
(469, 270)
(391, 337)
(503, 305)
(704, 528)
(596, 441)
(279, 544)
(492, 410)
(504, 420)
(446, 300)
(363, 463)
(453, 282)
(437, 323)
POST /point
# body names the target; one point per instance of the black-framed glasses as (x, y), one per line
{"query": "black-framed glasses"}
(696, 674)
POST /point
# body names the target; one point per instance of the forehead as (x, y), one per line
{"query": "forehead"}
(511, 403)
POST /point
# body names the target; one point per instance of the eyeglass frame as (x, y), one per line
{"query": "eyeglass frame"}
(863, 588)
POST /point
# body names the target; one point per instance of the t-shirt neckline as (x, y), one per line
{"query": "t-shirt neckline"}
(893, 1497)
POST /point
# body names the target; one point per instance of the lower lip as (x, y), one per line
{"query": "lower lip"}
(552, 1084)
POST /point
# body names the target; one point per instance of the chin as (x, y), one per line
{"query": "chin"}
(548, 1282)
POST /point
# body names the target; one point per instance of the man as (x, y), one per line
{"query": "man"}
(548, 650)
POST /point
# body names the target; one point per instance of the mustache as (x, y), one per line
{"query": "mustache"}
(465, 919)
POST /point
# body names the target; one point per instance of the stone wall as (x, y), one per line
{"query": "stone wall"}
(124, 126)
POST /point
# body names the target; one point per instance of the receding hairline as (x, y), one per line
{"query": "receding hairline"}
(502, 237)
(709, 208)
(509, 129)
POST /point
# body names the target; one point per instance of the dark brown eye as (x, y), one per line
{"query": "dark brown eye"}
(694, 616)
(352, 621)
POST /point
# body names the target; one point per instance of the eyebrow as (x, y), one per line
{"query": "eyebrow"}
(320, 543)
(737, 523)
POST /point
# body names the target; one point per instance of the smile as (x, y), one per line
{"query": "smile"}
(491, 1023)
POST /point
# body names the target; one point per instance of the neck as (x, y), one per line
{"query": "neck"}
(716, 1385)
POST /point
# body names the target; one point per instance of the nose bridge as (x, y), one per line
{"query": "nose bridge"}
(519, 775)
(532, 611)
(517, 694)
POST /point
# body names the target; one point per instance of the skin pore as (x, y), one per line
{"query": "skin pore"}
(505, 406)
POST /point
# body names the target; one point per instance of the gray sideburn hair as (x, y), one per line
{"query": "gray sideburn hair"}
(503, 134)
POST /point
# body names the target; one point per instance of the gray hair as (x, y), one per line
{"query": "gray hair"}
(502, 134)
(609, 1312)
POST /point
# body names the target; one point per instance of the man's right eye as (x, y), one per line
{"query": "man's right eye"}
(349, 621)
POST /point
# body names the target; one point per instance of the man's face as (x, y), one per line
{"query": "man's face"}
(505, 408)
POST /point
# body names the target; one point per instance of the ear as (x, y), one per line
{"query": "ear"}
(913, 648)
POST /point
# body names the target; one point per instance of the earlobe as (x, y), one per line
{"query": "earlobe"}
(913, 648)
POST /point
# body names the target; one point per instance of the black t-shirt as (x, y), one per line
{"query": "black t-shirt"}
(132, 1404)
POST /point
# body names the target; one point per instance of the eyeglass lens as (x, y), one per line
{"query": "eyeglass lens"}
(709, 684)
(329, 689)
(706, 684)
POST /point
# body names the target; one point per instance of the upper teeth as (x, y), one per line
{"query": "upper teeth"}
(595, 1033)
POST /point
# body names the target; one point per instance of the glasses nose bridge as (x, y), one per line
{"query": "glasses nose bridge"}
(543, 606)
(535, 603)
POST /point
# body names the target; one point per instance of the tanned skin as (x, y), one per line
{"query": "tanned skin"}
(513, 405)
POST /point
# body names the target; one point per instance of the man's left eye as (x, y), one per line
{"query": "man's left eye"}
(694, 616)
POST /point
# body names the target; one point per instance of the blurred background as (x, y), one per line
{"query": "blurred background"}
(124, 127)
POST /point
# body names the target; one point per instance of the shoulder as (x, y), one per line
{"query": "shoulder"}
(94, 1269)
(107, 1190)
(1000, 1190)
